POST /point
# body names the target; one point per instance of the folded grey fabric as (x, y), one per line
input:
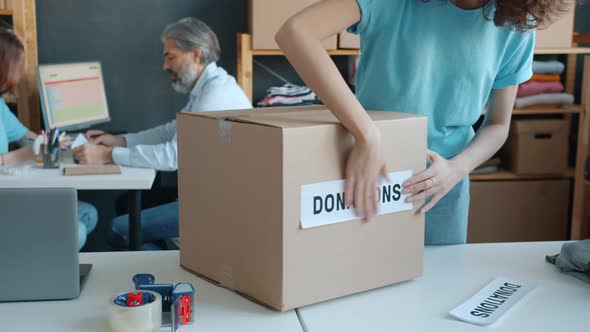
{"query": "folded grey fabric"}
(545, 99)
(548, 67)
(574, 259)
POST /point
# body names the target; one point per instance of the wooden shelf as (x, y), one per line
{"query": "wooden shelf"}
(5, 12)
(507, 175)
(570, 109)
(571, 50)
(280, 53)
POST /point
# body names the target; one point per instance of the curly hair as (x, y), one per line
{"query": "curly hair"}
(524, 14)
(528, 14)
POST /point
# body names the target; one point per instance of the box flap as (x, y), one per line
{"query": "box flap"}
(293, 117)
(251, 111)
(538, 126)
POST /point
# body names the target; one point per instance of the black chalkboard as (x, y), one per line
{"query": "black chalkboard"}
(124, 35)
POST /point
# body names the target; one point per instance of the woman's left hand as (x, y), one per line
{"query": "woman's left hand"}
(436, 181)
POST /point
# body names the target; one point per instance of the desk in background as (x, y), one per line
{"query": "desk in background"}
(132, 179)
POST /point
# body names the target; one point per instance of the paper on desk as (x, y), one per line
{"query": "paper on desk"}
(80, 140)
(492, 301)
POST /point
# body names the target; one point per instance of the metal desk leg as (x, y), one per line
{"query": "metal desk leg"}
(135, 220)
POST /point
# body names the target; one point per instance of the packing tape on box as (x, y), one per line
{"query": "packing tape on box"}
(224, 131)
(136, 312)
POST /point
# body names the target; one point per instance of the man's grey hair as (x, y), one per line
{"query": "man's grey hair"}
(191, 33)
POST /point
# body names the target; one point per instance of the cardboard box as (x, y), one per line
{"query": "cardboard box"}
(559, 34)
(267, 17)
(242, 175)
(537, 147)
(515, 211)
(349, 40)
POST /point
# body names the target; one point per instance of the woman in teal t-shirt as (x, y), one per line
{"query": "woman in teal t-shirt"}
(446, 60)
(12, 131)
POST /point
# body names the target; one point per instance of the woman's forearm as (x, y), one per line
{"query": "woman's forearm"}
(19, 156)
(488, 141)
(300, 39)
(493, 133)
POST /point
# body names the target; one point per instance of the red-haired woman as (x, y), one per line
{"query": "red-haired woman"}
(12, 131)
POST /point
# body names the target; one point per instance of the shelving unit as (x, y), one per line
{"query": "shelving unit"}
(579, 224)
(24, 22)
(246, 60)
(503, 175)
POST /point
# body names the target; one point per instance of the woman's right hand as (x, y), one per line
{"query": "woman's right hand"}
(364, 167)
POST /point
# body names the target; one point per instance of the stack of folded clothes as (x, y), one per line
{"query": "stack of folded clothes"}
(288, 95)
(545, 87)
(490, 166)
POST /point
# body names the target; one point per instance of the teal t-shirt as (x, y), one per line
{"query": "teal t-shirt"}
(434, 59)
(11, 129)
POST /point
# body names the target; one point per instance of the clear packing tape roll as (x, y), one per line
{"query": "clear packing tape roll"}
(144, 317)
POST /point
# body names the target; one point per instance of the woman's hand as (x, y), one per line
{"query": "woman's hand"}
(436, 181)
(365, 165)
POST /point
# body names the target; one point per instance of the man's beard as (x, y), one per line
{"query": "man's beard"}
(184, 81)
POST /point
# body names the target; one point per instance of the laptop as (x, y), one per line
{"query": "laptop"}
(39, 245)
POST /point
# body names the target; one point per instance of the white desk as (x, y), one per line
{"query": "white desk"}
(132, 179)
(216, 309)
(452, 274)
(129, 179)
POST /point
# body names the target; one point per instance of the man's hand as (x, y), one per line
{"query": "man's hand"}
(99, 137)
(94, 154)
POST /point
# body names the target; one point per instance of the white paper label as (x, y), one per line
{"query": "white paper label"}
(323, 203)
(492, 301)
(80, 140)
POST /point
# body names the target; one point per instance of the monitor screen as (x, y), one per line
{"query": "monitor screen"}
(72, 95)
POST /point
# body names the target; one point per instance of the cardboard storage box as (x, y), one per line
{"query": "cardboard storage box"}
(243, 176)
(349, 40)
(537, 147)
(267, 17)
(559, 34)
(514, 211)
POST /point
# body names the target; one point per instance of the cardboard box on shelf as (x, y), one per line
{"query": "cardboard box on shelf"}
(537, 146)
(262, 209)
(347, 40)
(559, 34)
(516, 211)
(267, 17)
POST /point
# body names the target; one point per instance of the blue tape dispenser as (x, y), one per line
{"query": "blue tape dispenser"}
(177, 300)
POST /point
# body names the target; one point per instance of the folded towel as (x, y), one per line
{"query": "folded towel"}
(548, 67)
(574, 259)
(307, 99)
(535, 87)
(545, 99)
(288, 90)
(546, 77)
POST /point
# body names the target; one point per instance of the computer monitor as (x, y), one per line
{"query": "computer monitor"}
(72, 95)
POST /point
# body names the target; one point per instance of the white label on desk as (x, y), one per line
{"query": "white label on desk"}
(324, 204)
(492, 301)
